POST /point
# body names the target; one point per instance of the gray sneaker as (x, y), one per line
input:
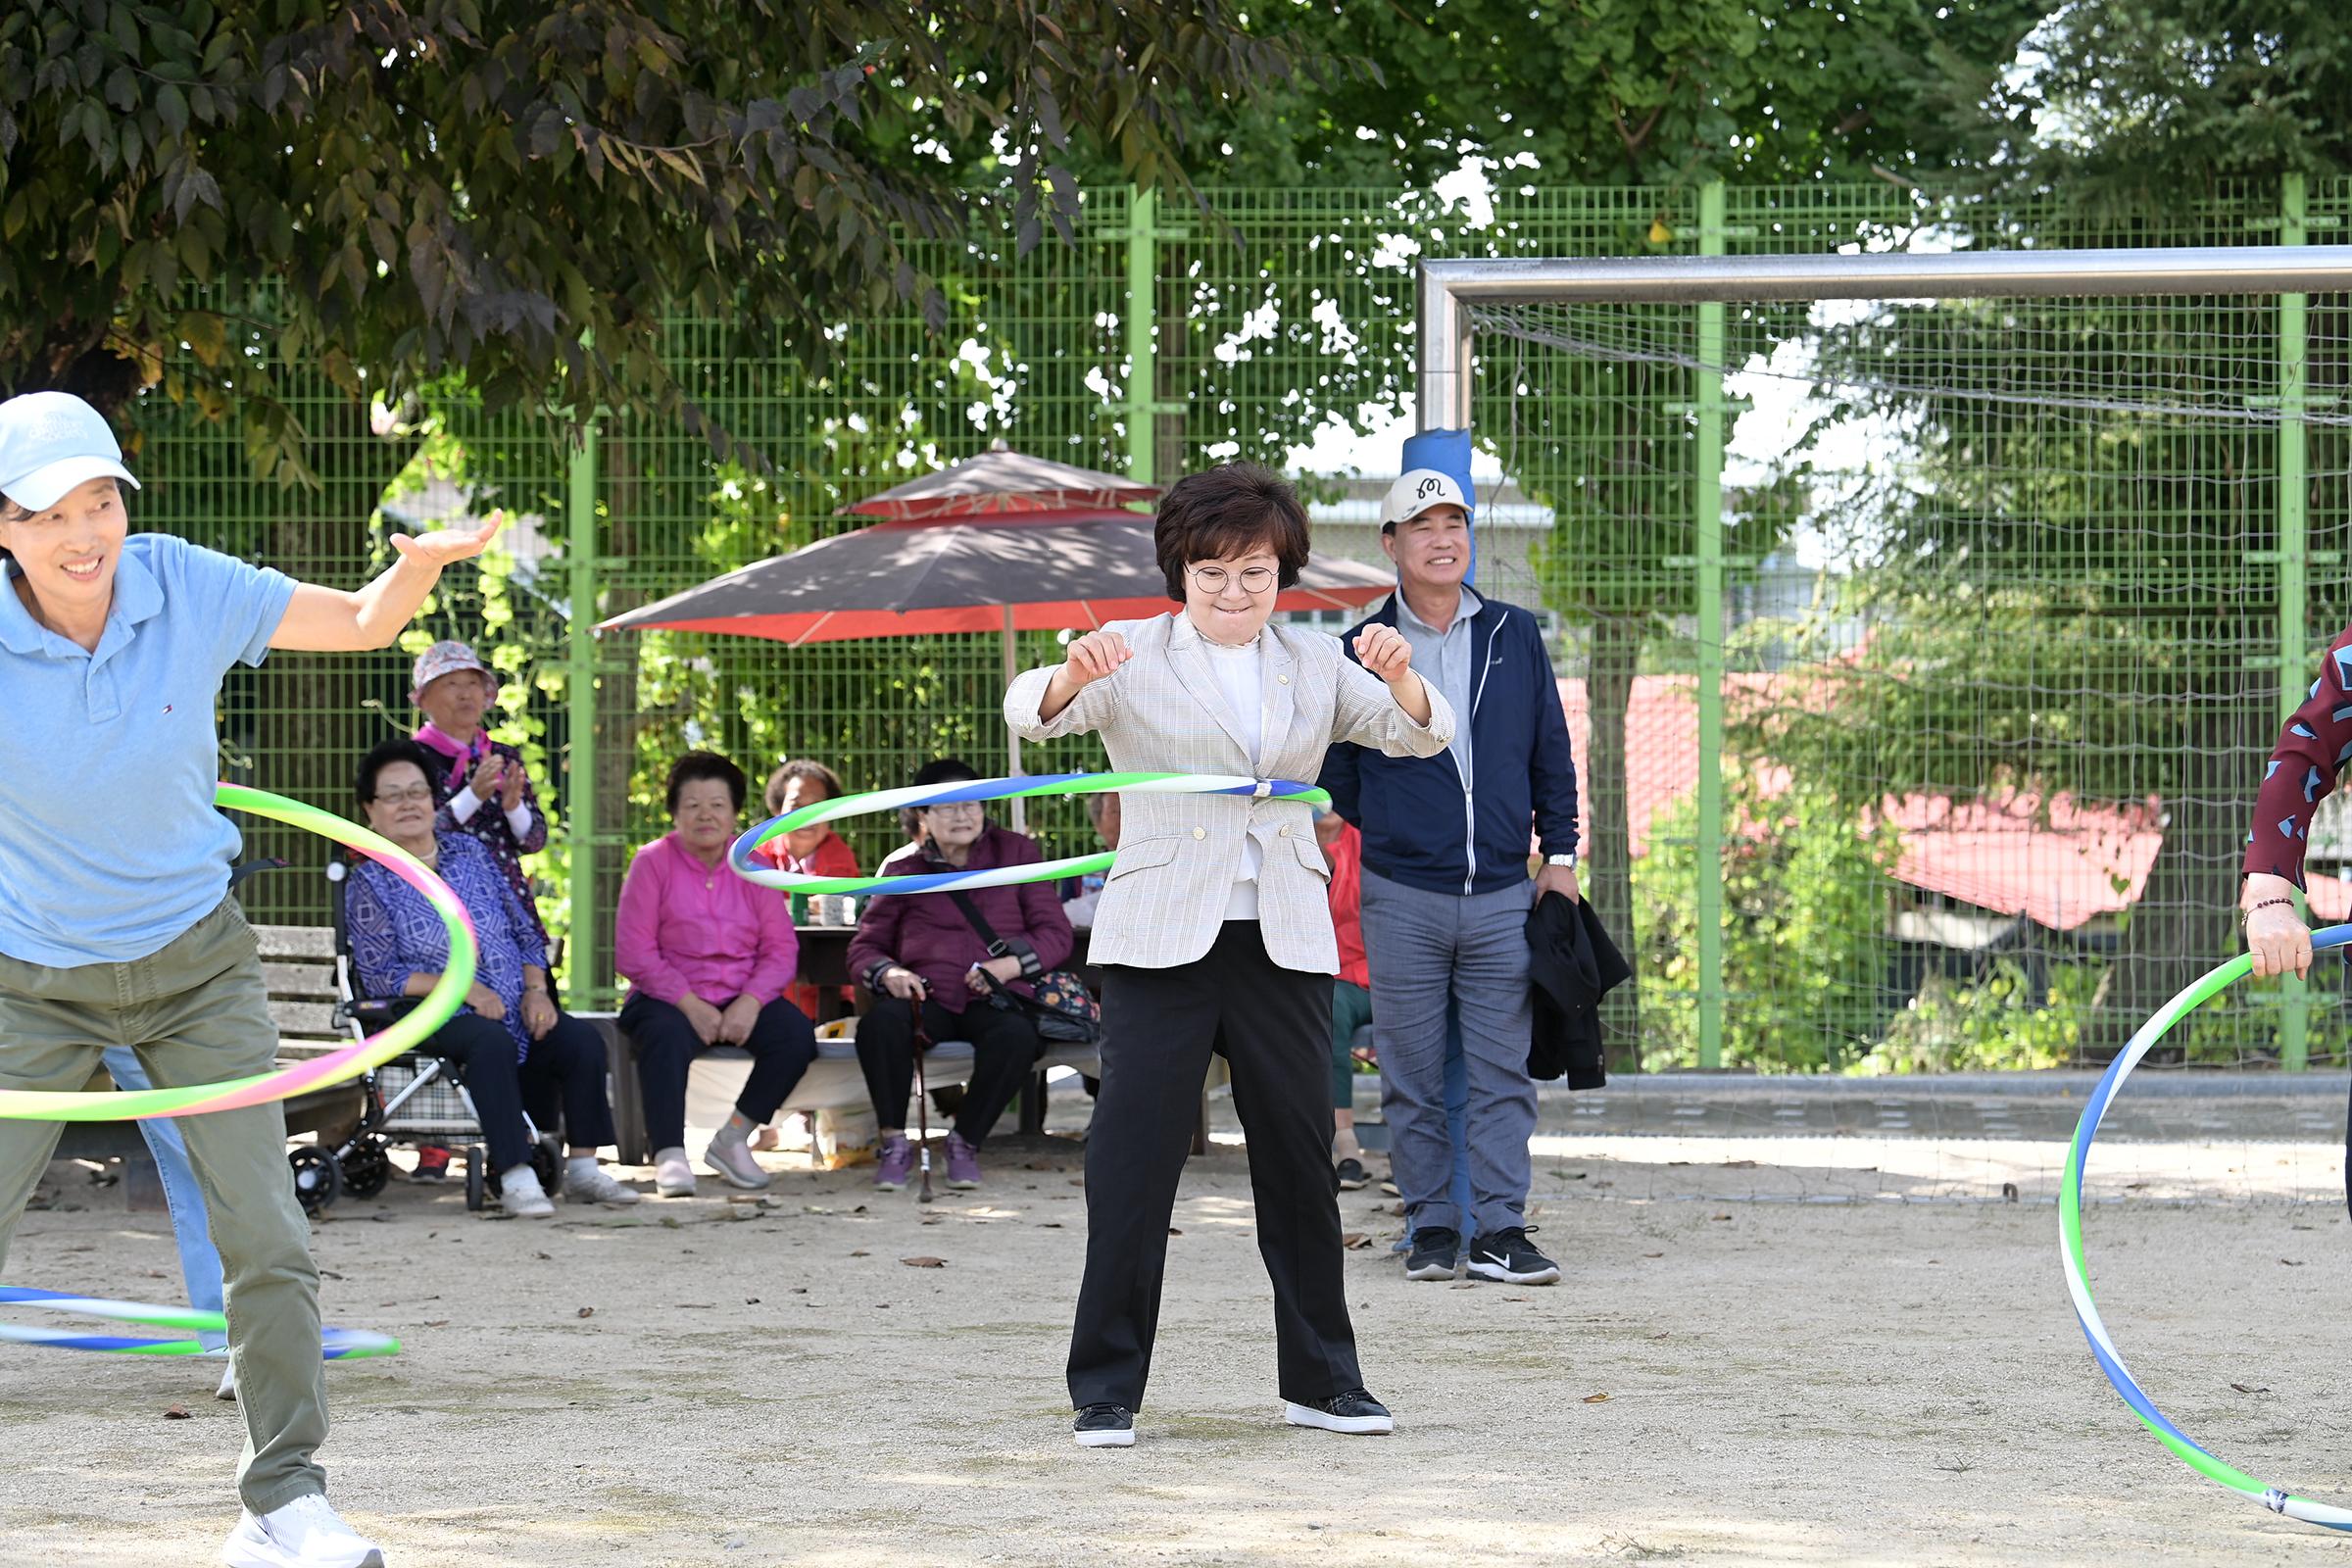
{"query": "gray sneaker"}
(598, 1187)
(731, 1157)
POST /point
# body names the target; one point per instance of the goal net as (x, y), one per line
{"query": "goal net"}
(1983, 636)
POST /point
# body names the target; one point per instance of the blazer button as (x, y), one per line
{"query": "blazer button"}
(1200, 832)
(1283, 680)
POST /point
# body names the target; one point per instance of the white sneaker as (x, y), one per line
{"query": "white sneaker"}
(521, 1195)
(304, 1534)
(672, 1176)
(731, 1157)
(597, 1186)
(229, 1384)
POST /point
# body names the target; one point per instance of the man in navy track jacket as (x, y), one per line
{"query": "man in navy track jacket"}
(1446, 889)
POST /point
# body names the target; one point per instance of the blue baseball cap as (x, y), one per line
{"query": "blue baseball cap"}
(50, 443)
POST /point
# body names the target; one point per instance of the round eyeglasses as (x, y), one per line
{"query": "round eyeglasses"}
(1214, 579)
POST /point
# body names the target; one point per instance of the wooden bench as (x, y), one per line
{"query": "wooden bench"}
(298, 965)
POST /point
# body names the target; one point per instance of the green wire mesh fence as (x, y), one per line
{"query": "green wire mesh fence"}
(2012, 588)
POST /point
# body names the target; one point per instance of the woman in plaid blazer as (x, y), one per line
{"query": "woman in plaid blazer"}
(1214, 930)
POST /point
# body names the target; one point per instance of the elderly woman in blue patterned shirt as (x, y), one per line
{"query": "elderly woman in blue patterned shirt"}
(513, 1048)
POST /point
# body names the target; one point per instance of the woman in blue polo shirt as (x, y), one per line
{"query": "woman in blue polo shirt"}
(112, 650)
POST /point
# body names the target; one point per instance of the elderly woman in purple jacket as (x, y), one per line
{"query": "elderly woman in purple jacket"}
(918, 951)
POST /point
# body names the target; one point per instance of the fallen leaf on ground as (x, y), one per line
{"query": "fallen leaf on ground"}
(1596, 1398)
(1355, 1240)
(587, 1311)
(176, 1412)
(437, 1323)
(924, 1263)
(1653, 1255)
(860, 1253)
(1719, 1216)
(2246, 1389)
(2292, 1262)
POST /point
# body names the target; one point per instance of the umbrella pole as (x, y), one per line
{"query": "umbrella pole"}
(1020, 814)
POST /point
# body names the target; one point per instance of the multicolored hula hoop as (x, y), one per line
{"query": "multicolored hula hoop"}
(337, 1344)
(986, 789)
(438, 1006)
(2078, 1280)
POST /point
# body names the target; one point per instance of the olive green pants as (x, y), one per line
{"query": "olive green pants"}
(194, 1012)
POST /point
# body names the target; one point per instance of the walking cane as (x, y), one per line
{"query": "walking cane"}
(922, 1095)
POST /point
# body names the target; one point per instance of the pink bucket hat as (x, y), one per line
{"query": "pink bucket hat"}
(446, 659)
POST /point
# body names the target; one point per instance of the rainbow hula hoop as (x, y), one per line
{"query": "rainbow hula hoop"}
(437, 1007)
(986, 789)
(336, 1344)
(2078, 1280)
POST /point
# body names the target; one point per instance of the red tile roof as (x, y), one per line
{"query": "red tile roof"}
(2060, 866)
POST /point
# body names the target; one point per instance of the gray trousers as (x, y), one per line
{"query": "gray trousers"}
(195, 1013)
(1429, 951)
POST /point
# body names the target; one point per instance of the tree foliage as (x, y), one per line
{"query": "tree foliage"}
(2134, 105)
(522, 192)
(1611, 92)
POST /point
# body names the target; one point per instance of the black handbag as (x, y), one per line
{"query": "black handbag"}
(1064, 1009)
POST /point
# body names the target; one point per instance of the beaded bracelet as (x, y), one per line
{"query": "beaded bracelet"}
(2247, 913)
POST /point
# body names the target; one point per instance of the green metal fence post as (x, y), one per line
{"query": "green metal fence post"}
(579, 775)
(1708, 515)
(2294, 1018)
(1142, 322)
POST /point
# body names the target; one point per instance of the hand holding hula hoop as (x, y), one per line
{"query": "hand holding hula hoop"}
(439, 1005)
(2078, 1277)
(986, 789)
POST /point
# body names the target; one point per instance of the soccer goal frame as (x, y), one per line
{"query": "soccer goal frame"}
(1445, 349)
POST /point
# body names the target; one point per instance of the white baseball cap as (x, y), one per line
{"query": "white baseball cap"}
(50, 443)
(1416, 491)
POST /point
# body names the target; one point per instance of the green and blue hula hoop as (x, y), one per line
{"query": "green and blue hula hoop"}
(2078, 1279)
(986, 789)
(336, 1344)
(436, 1009)
(438, 1006)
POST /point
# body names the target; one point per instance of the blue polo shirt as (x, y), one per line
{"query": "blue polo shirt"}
(110, 846)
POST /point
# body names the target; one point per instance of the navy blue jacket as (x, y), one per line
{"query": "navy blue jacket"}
(1421, 826)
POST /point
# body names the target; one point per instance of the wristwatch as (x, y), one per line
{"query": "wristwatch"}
(1568, 859)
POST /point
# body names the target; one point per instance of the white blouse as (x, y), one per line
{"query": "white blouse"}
(1241, 676)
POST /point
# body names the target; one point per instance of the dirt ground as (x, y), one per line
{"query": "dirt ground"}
(1825, 1356)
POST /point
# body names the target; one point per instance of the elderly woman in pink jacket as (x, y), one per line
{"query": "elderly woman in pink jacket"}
(709, 959)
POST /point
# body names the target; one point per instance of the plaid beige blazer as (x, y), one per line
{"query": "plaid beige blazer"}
(1162, 712)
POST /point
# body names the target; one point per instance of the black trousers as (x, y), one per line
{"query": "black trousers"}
(565, 1072)
(783, 1044)
(1273, 1025)
(1005, 1048)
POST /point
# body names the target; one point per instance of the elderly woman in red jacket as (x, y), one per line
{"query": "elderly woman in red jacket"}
(918, 950)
